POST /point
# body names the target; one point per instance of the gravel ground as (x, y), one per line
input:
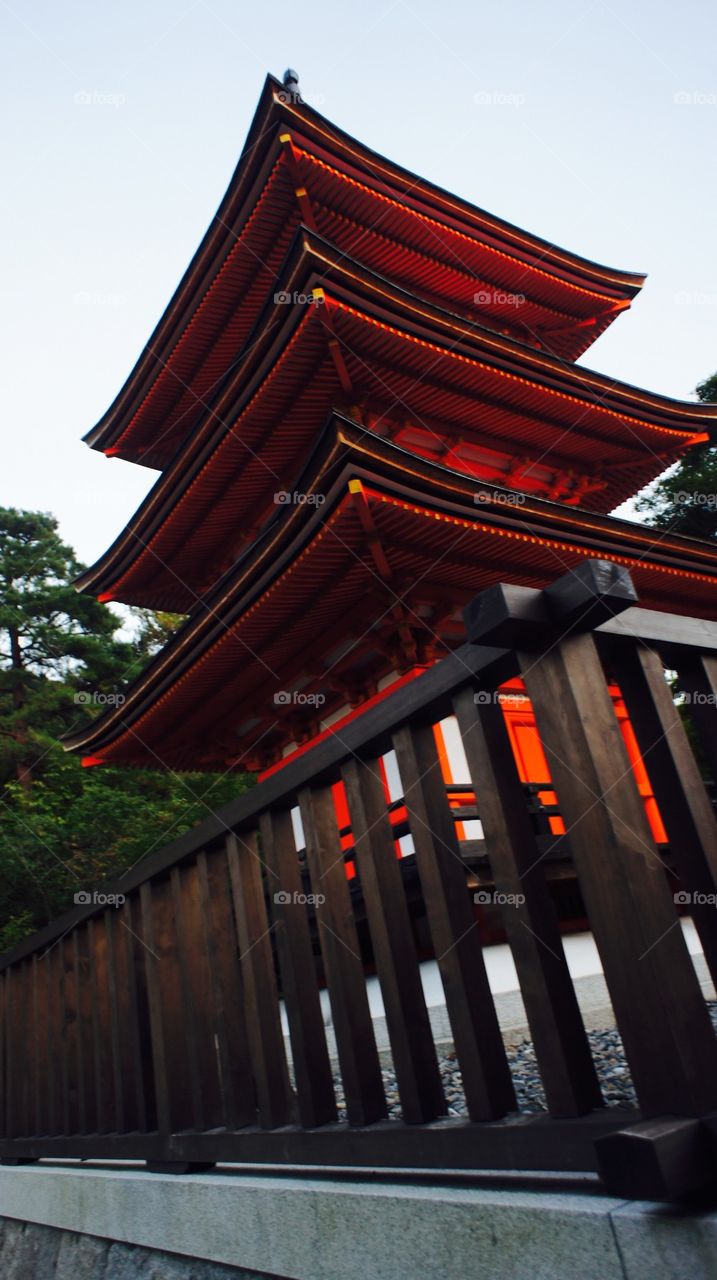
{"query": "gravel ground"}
(606, 1048)
(608, 1055)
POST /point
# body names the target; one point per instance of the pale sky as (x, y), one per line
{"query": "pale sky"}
(592, 124)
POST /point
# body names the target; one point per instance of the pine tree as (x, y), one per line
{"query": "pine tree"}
(685, 500)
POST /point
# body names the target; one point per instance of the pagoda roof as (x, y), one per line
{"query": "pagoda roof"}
(445, 388)
(362, 582)
(296, 165)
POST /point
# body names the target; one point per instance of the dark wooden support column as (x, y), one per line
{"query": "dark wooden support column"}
(668, 1037)
(355, 1040)
(532, 926)
(409, 1027)
(159, 1057)
(683, 801)
(312, 1066)
(454, 928)
(662, 1016)
(230, 1035)
(266, 1041)
(698, 677)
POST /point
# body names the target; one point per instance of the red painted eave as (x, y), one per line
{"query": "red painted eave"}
(215, 304)
(184, 712)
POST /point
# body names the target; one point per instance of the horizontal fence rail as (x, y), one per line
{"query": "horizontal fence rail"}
(151, 1027)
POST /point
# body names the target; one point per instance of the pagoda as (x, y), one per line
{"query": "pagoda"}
(364, 406)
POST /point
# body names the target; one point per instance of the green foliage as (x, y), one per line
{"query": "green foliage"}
(685, 500)
(76, 828)
(53, 641)
(707, 391)
(64, 828)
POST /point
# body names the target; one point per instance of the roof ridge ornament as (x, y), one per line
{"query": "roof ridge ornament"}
(291, 91)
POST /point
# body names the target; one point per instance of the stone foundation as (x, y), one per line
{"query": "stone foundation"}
(30, 1251)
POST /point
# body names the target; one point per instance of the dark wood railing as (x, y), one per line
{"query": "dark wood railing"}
(152, 1029)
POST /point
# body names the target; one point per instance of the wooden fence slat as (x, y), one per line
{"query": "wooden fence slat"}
(299, 980)
(159, 1055)
(669, 1042)
(70, 1025)
(266, 1042)
(39, 1065)
(355, 1040)
(479, 1046)
(119, 1024)
(9, 1109)
(187, 958)
(228, 1004)
(532, 927)
(55, 1041)
(167, 946)
(22, 1046)
(5, 1049)
(698, 677)
(24, 1034)
(86, 1081)
(133, 1017)
(10, 1099)
(677, 783)
(102, 1023)
(409, 1027)
(200, 986)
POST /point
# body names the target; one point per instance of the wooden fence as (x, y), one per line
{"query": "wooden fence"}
(151, 1028)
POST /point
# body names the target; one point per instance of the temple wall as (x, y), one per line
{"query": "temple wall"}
(585, 968)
